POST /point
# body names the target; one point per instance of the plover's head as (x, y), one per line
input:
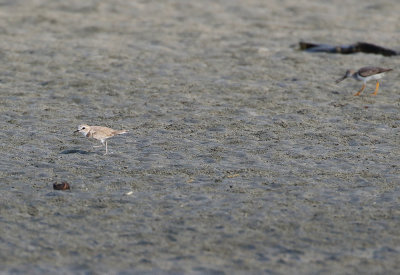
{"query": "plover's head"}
(349, 73)
(84, 129)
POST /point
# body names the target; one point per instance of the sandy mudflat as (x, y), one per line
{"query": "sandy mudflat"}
(243, 155)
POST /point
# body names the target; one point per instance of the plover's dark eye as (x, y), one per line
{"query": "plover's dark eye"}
(83, 128)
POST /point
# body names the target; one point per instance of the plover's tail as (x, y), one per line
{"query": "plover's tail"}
(120, 132)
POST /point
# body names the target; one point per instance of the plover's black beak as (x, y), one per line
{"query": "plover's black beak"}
(76, 131)
(341, 79)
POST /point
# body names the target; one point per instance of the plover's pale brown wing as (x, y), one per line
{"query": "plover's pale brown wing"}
(367, 71)
(100, 132)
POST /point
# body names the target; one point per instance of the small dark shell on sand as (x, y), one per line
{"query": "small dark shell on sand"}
(61, 186)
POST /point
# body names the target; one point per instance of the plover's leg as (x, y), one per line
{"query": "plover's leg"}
(376, 88)
(362, 89)
(106, 149)
(102, 144)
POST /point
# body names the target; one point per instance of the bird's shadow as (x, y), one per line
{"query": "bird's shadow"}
(75, 151)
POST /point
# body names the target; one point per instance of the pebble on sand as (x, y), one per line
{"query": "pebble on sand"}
(61, 186)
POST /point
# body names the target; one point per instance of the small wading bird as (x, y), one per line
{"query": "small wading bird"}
(365, 74)
(99, 132)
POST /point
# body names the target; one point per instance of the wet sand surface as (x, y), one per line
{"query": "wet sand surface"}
(243, 155)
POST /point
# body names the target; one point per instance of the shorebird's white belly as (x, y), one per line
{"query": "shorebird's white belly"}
(371, 77)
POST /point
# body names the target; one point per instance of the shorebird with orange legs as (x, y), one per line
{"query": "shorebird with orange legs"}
(365, 74)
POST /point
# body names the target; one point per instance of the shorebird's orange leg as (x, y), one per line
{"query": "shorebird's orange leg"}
(362, 89)
(376, 88)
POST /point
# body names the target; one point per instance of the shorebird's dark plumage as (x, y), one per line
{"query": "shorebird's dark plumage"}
(368, 71)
